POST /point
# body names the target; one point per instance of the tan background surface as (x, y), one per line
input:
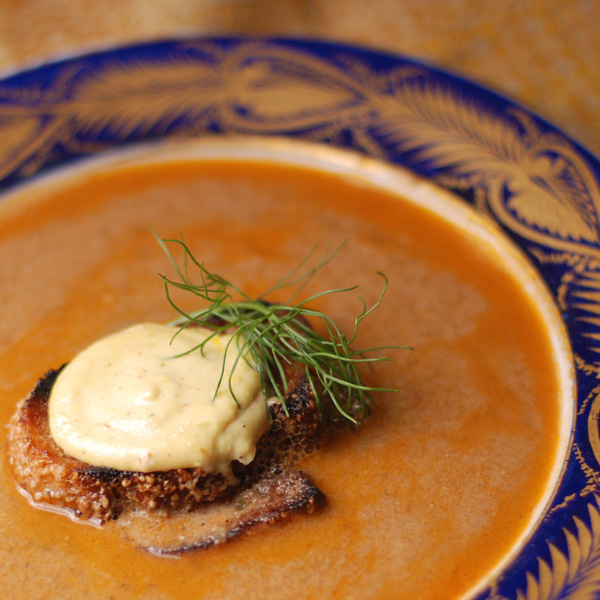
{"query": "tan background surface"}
(544, 54)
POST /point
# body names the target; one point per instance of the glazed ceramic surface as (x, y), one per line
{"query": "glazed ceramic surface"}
(517, 170)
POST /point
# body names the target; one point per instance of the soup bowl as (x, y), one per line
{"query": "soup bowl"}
(523, 191)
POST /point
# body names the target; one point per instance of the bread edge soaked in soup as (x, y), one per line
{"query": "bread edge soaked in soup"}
(53, 479)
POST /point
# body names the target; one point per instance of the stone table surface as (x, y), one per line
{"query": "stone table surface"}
(545, 54)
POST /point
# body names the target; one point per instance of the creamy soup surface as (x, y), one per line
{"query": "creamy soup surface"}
(422, 502)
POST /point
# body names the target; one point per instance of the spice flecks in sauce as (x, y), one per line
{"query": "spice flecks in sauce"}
(139, 400)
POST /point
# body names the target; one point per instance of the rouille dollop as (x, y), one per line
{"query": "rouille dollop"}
(135, 401)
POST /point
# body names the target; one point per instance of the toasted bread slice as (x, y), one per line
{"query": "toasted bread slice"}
(51, 477)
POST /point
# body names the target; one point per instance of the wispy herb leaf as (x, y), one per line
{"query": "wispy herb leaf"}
(270, 335)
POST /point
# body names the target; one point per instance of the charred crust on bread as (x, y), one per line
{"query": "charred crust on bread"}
(272, 498)
(51, 477)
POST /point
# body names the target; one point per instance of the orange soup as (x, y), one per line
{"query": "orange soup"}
(424, 501)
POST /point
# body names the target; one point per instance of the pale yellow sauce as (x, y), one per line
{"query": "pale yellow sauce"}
(139, 400)
(428, 497)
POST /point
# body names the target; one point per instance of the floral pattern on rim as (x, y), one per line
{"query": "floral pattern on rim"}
(524, 174)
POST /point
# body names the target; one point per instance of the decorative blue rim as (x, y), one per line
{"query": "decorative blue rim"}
(541, 187)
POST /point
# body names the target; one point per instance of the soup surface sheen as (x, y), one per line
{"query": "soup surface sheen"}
(426, 499)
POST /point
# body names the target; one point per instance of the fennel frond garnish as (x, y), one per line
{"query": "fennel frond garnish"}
(270, 334)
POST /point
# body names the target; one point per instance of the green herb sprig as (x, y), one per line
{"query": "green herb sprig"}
(270, 334)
